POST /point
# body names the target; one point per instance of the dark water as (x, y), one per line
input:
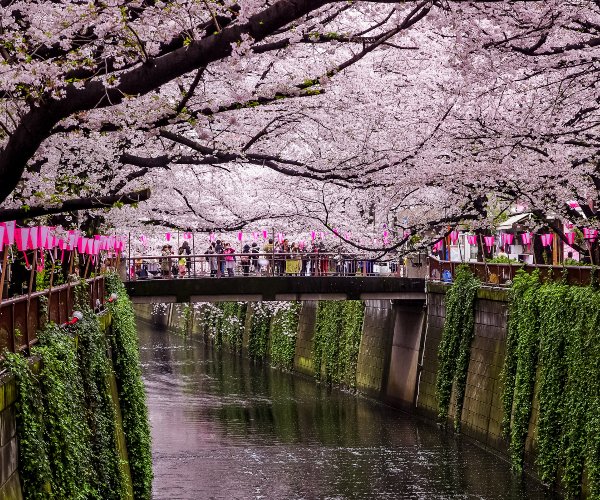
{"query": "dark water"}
(223, 428)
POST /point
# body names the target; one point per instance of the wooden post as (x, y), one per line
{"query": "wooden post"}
(3, 276)
(51, 281)
(31, 278)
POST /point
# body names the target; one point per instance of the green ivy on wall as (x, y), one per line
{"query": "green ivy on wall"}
(553, 353)
(455, 346)
(186, 315)
(212, 315)
(284, 329)
(258, 342)
(66, 422)
(126, 359)
(34, 465)
(336, 340)
(95, 369)
(232, 324)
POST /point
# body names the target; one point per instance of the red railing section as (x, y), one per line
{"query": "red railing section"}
(503, 274)
(20, 317)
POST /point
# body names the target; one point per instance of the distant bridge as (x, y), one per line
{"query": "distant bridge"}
(262, 288)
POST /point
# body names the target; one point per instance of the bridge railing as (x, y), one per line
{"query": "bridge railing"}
(21, 317)
(258, 264)
(503, 274)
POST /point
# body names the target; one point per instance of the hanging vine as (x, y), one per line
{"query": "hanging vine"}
(124, 344)
(455, 346)
(232, 324)
(336, 341)
(66, 422)
(284, 329)
(554, 340)
(260, 325)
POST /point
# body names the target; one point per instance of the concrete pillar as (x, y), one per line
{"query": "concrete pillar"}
(409, 323)
(375, 348)
(303, 357)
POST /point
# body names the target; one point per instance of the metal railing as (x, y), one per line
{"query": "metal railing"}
(20, 317)
(258, 264)
(503, 274)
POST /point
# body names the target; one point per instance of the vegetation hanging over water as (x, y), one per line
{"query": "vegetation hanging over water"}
(126, 359)
(337, 340)
(273, 328)
(284, 329)
(455, 347)
(66, 422)
(260, 325)
(554, 333)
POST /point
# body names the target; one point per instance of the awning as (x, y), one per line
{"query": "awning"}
(508, 223)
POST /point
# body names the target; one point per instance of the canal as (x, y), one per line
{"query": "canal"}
(224, 428)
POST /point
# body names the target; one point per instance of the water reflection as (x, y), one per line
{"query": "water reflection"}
(225, 428)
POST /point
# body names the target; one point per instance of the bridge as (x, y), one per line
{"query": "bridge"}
(263, 288)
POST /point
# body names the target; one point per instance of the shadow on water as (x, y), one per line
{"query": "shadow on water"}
(224, 427)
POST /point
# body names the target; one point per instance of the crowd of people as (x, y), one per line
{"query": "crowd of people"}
(220, 259)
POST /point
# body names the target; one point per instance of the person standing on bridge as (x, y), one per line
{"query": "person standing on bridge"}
(245, 260)
(220, 259)
(165, 262)
(212, 260)
(229, 259)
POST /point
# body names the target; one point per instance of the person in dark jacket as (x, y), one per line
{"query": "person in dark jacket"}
(245, 260)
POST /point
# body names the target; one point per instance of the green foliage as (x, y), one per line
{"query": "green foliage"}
(34, 464)
(258, 343)
(65, 416)
(573, 262)
(232, 324)
(336, 341)
(500, 259)
(132, 396)
(186, 313)
(455, 347)
(212, 315)
(66, 433)
(95, 370)
(284, 328)
(554, 340)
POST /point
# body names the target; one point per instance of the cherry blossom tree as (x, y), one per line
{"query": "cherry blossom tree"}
(417, 115)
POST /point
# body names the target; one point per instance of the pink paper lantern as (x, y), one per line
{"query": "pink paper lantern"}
(240, 236)
(2, 231)
(33, 238)
(168, 236)
(570, 238)
(546, 239)
(454, 237)
(472, 239)
(526, 238)
(313, 235)
(264, 234)
(22, 238)
(9, 232)
(211, 237)
(489, 242)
